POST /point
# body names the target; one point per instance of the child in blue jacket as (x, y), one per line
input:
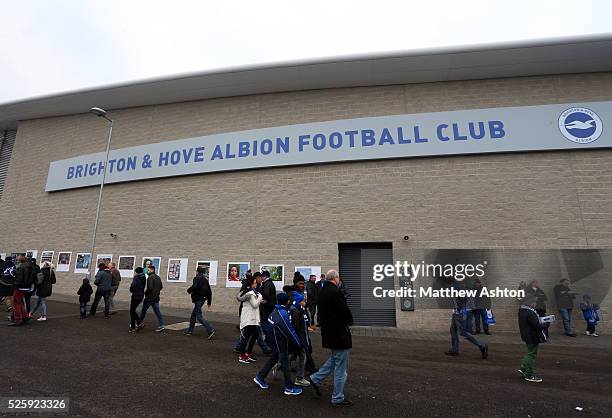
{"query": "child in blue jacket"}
(590, 312)
(283, 339)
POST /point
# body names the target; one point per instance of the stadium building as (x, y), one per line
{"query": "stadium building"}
(498, 155)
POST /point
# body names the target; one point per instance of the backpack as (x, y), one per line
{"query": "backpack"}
(40, 278)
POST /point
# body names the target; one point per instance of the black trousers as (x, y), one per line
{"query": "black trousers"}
(134, 317)
(249, 336)
(99, 295)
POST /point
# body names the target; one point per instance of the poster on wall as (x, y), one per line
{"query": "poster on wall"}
(177, 270)
(103, 258)
(46, 256)
(3, 256)
(63, 261)
(83, 261)
(126, 265)
(306, 271)
(151, 261)
(277, 271)
(32, 254)
(236, 272)
(211, 267)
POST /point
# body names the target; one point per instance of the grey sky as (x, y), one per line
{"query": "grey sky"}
(54, 46)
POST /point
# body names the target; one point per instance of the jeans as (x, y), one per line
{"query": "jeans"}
(42, 302)
(134, 318)
(111, 298)
(527, 365)
(312, 312)
(83, 309)
(196, 315)
(19, 309)
(566, 314)
(301, 365)
(145, 307)
(283, 359)
(248, 335)
(337, 363)
(591, 327)
(99, 295)
(458, 329)
(478, 315)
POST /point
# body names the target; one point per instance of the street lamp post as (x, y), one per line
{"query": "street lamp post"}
(100, 113)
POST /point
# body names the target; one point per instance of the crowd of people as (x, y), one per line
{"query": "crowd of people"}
(280, 322)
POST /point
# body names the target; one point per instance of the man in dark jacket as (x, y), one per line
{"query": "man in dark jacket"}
(7, 282)
(479, 312)
(154, 287)
(24, 281)
(565, 304)
(336, 318)
(116, 275)
(312, 291)
(268, 293)
(200, 292)
(137, 289)
(103, 281)
(532, 334)
(30, 293)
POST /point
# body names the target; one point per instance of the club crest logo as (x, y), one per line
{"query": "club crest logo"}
(580, 125)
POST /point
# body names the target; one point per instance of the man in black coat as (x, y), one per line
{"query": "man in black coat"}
(24, 282)
(565, 304)
(200, 292)
(268, 302)
(336, 318)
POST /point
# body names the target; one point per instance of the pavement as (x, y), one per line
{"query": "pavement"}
(105, 371)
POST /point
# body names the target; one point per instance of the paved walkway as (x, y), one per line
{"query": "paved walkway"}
(603, 341)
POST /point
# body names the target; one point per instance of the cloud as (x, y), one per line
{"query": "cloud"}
(59, 46)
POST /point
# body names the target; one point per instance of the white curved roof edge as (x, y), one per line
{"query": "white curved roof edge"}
(560, 55)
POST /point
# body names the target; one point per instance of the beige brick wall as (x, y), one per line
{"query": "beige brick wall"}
(297, 215)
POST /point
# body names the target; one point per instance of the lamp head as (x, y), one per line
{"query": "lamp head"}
(98, 112)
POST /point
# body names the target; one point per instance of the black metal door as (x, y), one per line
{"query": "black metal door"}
(356, 263)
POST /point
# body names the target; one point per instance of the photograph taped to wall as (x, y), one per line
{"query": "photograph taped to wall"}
(63, 261)
(306, 271)
(177, 270)
(32, 254)
(151, 261)
(82, 264)
(277, 271)
(46, 256)
(211, 266)
(103, 258)
(236, 272)
(126, 265)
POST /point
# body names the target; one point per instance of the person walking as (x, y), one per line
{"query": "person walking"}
(200, 293)
(282, 339)
(24, 282)
(268, 303)
(534, 289)
(336, 318)
(249, 321)
(532, 334)
(84, 292)
(28, 294)
(112, 267)
(458, 326)
(154, 288)
(312, 291)
(7, 283)
(258, 278)
(137, 289)
(103, 281)
(44, 290)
